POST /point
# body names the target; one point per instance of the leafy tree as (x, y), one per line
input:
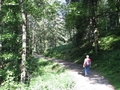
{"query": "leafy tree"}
(92, 19)
(10, 41)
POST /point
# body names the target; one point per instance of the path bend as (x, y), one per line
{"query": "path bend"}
(95, 81)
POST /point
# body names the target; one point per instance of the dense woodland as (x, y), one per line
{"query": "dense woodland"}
(66, 31)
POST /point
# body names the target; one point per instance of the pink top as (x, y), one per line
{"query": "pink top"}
(87, 61)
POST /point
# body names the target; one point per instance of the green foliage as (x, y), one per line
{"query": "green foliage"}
(10, 36)
(109, 42)
(70, 52)
(44, 74)
(107, 63)
(10, 40)
(50, 33)
(49, 76)
(61, 52)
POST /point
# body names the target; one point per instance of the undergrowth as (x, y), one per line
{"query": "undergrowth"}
(44, 75)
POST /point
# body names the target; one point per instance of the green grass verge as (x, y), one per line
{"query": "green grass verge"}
(45, 75)
(53, 77)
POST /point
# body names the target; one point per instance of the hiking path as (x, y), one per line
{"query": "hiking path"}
(94, 81)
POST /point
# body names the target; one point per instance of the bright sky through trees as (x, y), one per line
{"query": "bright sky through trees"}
(63, 1)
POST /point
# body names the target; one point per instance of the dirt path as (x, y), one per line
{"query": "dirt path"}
(95, 81)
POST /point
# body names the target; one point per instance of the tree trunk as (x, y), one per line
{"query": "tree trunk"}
(23, 65)
(0, 26)
(118, 12)
(1, 62)
(45, 36)
(45, 40)
(96, 40)
(1, 65)
(93, 22)
(55, 37)
(33, 42)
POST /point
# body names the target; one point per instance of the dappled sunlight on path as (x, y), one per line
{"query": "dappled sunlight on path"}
(94, 81)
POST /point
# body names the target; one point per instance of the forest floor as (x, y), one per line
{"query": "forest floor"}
(94, 81)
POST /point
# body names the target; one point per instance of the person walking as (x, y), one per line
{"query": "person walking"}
(87, 65)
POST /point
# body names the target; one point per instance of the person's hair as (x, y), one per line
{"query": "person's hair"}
(87, 56)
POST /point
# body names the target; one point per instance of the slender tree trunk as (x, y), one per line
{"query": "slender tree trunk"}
(45, 40)
(55, 36)
(118, 12)
(93, 22)
(0, 27)
(23, 65)
(1, 65)
(45, 37)
(1, 62)
(33, 41)
(29, 34)
(0, 5)
(96, 40)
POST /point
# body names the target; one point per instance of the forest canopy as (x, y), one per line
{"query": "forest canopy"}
(65, 30)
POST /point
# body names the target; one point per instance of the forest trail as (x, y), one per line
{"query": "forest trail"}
(94, 81)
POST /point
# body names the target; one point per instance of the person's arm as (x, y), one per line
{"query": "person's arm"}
(84, 64)
(90, 62)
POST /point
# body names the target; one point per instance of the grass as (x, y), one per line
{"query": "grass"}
(45, 75)
(108, 65)
(53, 77)
(51, 81)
